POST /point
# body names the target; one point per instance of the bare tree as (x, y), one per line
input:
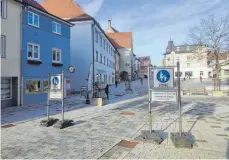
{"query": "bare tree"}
(214, 34)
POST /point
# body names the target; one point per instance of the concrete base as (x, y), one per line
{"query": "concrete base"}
(101, 102)
(217, 93)
(153, 137)
(183, 141)
(47, 123)
(63, 124)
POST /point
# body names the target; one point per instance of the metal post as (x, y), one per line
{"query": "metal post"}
(149, 98)
(179, 97)
(48, 104)
(62, 96)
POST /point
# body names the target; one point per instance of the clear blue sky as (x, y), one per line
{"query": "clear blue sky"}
(153, 22)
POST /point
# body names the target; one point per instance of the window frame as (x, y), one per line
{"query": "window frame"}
(33, 19)
(55, 61)
(101, 41)
(104, 59)
(56, 24)
(4, 8)
(33, 44)
(10, 88)
(33, 92)
(3, 46)
(101, 58)
(96, 56)
(96, 36)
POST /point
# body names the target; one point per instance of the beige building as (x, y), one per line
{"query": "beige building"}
(10, 52)
(193, 60)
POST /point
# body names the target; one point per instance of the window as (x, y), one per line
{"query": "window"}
(101, 41)
(96, 36)
(97, 56)
(33, 51)
(188, 64)
(56, 55)
(201, 73)
(56, 27)
(33, 86)
(107, 47)
(111, 51)
(4, 8)
(3, 46)
(45, 86)
(104, 60)
(6, 88)
(104, 46)
(189, 73)
(101, 58)
(33, 19)
(107, 62)
(127, 64)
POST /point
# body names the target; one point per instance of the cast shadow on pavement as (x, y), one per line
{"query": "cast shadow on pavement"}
(227, 150)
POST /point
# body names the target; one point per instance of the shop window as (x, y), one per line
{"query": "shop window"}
(33, 86)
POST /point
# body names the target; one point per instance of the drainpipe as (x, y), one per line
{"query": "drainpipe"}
(20, 77)
(93, 59)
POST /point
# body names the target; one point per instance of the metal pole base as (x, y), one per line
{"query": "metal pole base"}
(63, 124)
(50, 122)
(88, 101)
(153, 137)
(186, 140)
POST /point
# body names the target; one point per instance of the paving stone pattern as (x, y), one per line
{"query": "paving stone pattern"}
(99, 132)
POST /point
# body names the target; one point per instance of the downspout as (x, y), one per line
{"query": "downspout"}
(93, 57)
(20, 77)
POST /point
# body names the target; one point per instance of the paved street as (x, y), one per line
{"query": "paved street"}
(104, 132)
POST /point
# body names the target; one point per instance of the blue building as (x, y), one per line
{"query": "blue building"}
(45, 49)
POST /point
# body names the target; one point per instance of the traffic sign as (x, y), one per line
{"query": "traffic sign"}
(56, 82)
(163, 78)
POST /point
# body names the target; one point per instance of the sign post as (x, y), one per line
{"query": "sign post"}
(179, 97)
(149, 98)
(49, 121)
(63, 96)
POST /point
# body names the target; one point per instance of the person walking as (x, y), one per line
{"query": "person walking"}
(201, 79)
(116, 83)
(141, 79)
(107, 91)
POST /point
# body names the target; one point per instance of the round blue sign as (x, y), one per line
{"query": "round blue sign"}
(163, 76)
(55, 81)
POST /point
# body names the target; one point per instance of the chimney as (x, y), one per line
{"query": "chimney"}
(109, 23)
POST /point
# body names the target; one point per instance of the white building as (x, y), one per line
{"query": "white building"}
(193, 60)
(92, 53)
(10, 52)
(124, 43)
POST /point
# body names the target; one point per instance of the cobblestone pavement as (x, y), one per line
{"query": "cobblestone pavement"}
(109, 132)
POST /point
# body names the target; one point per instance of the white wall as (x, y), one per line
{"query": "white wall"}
(81, 54)
(125, 57)
(108, 71)
(195, 65)
(11, 28)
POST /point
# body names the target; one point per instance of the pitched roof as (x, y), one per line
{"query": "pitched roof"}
(121, 39)
(65, 9)
(34, 4)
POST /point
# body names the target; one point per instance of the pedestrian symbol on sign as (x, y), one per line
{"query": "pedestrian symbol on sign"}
(163, 76)
(55, 81)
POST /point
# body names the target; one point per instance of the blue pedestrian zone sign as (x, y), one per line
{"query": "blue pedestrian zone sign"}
(163, 78)
(55, 81)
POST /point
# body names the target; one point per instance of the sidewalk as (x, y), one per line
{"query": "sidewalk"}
(109, 132)
(28, 112)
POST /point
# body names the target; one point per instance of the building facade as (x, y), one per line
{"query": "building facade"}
(145, 62)
(45, 49)
(123, 41)
(92, 53)
(10, 53)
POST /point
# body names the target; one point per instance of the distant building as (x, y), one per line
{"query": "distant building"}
(123, 41)
(145, 62)
(195, 60)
